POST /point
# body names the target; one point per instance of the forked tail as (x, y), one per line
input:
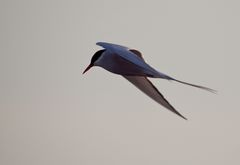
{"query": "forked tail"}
(197, 86)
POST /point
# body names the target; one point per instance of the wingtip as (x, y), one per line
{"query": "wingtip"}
(101, 43)
(98, 43)
(182, 116)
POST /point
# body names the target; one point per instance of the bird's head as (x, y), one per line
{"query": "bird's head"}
(95, 57)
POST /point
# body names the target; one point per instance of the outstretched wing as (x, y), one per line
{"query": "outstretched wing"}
(149, 89)
(124, 53)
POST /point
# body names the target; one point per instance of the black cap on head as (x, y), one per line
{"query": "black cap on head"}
(96, 56)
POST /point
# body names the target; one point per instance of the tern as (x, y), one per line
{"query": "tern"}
(130, 64)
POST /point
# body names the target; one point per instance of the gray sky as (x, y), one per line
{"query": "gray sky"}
(52, 114)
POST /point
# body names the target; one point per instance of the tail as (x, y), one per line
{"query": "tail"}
(197, 86)
(164, 76)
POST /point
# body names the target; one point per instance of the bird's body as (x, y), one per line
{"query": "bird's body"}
(130, 64)
(121, 60)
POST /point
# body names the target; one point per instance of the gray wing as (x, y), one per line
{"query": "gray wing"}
(107, 45)
(125, 53)
(149, 89)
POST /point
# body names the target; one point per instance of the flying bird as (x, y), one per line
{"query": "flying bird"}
(130, 64)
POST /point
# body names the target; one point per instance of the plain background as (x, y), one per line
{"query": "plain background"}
(52, 114)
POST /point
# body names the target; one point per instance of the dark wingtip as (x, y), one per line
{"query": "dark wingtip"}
(181, 116)
(184, 118)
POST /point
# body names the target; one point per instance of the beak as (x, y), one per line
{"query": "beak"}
(89, 66)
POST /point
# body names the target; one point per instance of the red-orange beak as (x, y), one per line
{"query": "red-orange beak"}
(89, 66)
